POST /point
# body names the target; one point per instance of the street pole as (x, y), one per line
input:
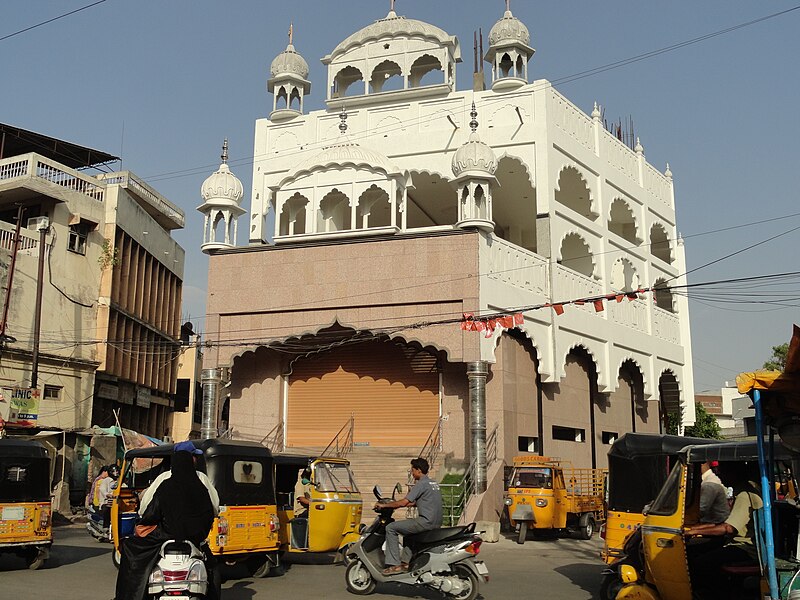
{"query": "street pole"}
(11, 269)
(44, 227)
(211, 382)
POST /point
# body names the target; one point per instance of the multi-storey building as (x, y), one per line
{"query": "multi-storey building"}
(377, 223)
(110, 286)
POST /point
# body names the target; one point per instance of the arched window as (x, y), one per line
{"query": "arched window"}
(334, 212)
(621, 221)
(294, 100)
(432, 202)
(219, 228)
(514, 205)
(669, 402)
(624, 277)
(520, 66)
(662, 295)
(344, 80)
(387, 76)
(293, 215)
(576, 254)
(422, 67)
(659, 243)
(281, 99)
(374, 209)
(481, 209)
(573, 192)
(506, 65)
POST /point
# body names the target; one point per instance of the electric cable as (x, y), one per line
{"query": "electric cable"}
(72, 12)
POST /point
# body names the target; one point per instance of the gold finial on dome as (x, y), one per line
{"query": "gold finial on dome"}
(291, 32)
(224, 155)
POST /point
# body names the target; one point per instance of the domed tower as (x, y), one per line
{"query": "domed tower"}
(509, 52)
(405, 57)
(222, 192)
(288, 84)
(474, 166)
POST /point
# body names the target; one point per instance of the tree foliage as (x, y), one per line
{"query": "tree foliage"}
(705, 425)
(777, 361)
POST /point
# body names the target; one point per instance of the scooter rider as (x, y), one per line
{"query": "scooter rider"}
(427, 497)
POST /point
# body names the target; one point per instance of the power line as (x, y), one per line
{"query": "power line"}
(72, 12)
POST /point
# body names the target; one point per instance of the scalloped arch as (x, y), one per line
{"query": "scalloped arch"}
(627, 205)
(631, 359)
(575, 232)
(427, 172)
(523, 331)
(588, 350)
(521, 163)
(582, 177)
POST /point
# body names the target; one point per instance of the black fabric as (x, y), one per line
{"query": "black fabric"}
(182, 510)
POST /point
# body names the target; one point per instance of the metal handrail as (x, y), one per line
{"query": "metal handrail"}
(456, 495)
(340, 445)
(276, 434)
(491, 446)
(432, 447)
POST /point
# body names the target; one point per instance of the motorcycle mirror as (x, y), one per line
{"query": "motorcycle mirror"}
(377, 491)
(398, 489)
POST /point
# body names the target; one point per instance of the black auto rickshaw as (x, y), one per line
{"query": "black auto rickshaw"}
(333, 518)
(241, 472)
(25, 501)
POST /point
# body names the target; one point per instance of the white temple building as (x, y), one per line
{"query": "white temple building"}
(375, 224)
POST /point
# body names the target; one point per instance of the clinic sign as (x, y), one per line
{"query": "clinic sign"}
(19, 406)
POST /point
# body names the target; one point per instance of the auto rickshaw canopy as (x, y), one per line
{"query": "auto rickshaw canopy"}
(24, 471)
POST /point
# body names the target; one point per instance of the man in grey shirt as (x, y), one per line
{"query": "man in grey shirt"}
(425, 495)
(714, 506)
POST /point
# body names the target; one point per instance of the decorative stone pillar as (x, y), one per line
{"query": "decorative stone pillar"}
(477, 372)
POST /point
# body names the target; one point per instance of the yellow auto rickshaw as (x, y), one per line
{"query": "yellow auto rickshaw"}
(546, 494)
(638, 466)
(25, 501)
(247, 528)
(659, 568)
(333, 518)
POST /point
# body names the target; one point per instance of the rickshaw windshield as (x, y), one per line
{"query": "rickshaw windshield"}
(24, 479)
(666, 503)
(532, 477)
(334, 477)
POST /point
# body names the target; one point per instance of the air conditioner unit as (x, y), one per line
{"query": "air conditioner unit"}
(38, 223)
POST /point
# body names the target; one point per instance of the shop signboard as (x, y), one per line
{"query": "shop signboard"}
(19, 406)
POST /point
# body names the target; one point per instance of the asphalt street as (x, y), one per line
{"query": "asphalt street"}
(80, 568)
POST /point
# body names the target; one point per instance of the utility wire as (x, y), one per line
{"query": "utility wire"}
(72, 12)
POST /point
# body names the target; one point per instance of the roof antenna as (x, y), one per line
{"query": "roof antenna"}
(224, 155)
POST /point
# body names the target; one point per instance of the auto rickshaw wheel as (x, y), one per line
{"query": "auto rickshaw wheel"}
(610, 586)
(116, 557)
(523, 532)
(586, 526)
(359, 580)
(34, 559)
(470, 582)
(262, 565)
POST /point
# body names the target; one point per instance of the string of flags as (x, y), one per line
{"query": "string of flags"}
(470, 322)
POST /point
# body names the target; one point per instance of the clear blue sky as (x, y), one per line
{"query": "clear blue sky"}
(178, 76)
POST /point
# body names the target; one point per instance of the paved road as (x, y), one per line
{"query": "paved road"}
(80, 569)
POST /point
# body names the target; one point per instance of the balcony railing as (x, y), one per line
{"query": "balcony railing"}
(37, 167)
(130, 181)
(571, 285)
(630, 314)
(517, 266)
(27, 244)
(666, 325)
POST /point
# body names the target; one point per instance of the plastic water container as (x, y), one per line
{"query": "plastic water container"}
(127, 523)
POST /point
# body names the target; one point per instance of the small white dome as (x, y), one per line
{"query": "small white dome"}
(222, 186)
(507, 30)
(390, 27)
(289, 62)
(474, 157)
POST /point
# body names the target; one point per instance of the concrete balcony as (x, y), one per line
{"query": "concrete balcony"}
(157, 206)
(30, 175)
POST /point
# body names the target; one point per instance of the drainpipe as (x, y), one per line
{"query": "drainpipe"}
(44, 227)
(476, 375)
(211, 382)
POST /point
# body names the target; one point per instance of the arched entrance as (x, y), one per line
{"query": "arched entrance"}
(391, 390)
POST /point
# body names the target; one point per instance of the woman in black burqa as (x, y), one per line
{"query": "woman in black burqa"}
(181, 508)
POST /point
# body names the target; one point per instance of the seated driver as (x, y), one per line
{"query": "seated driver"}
(427, 497)
(302, 494)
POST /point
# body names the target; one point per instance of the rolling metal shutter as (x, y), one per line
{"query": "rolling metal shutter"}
(391, 390)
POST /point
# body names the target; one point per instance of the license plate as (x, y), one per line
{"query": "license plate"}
(13, 513)
(482, 569)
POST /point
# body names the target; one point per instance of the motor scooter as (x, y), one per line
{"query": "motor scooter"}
(95, 525)
(442, 559)
(179, 574)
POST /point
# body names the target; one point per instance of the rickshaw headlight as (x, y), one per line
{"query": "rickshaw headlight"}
(508, 501)
(541, 502)
(628, 574)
